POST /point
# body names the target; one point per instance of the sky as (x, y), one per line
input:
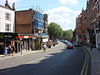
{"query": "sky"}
(62, 12)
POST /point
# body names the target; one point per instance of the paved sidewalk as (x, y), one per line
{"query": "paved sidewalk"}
(95, 61)
(24, 52)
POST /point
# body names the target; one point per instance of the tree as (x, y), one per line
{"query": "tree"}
(70, 32)
(54, 30)
(67, 34)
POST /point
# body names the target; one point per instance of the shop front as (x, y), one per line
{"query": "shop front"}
(44, 38)
(6, 38)
(25, 42)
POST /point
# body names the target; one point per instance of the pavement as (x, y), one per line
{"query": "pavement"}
(24, 52)
(95, 60)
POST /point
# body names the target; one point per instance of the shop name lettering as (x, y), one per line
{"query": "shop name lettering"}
(7, 36)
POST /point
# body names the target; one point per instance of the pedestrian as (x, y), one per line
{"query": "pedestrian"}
(44, 47)
(11, 50)
(5, 50)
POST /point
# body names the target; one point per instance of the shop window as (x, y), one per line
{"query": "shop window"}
(7, 16)
(8, 27)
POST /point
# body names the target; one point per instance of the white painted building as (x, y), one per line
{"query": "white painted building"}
(7, 18)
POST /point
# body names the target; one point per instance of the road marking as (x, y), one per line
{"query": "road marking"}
(83, 67)
(86, 63)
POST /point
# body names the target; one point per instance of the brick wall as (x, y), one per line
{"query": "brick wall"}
(24, 22)
(90, 15)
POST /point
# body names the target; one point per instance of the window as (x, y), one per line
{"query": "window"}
(7, 16)
(8, 27)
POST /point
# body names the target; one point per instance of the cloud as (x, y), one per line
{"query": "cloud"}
(69, 2)
(63, 16)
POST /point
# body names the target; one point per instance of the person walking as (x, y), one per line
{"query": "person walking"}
(11, 50)
(44, 47)
(5, 49)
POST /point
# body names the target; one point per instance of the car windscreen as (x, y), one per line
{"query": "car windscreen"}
(69, 43)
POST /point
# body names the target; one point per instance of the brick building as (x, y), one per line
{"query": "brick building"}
(30, 25)
(79, 27)
(90, 21)
(24, 22)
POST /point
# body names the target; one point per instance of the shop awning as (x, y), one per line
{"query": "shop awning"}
(24, 37)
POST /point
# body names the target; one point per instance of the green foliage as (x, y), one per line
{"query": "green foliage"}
(68, 34)
(55, 31)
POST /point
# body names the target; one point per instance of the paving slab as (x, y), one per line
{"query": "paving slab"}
(95, 60)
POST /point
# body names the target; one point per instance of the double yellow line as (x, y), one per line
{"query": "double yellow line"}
(87, 63)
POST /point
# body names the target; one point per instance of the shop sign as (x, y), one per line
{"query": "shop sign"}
(30, 36)
(45, 40)
(25, 36)
(44, 35)
(20, 37)
(7, 36)
(33, 37)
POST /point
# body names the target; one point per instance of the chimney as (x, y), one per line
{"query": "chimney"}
(13, 6)
(6, 4)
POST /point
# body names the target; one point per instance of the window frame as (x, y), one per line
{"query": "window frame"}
(7, 16)
(7, 27)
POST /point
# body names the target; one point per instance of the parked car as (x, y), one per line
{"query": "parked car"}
(69, 45)
(77, 44)
(65, 41)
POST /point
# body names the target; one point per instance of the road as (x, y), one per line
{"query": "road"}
(55, 61)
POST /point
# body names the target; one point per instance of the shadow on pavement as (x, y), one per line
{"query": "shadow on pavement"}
(51, 65)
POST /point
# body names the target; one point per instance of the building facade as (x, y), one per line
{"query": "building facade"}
(30, 27)
(7, 25)
(90, 22)
(7, 19)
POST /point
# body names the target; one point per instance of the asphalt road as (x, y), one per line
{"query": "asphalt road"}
(57, 61)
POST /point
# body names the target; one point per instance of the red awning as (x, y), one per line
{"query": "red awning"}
(24, 37)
